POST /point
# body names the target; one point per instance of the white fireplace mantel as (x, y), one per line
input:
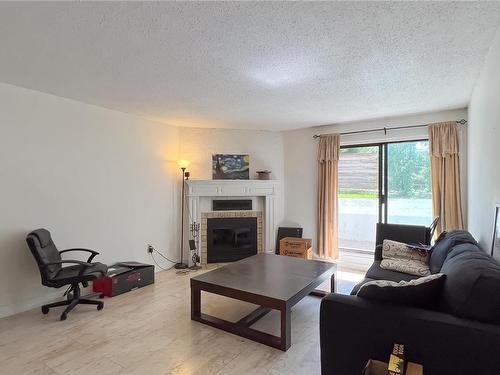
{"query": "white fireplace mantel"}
(268, 189)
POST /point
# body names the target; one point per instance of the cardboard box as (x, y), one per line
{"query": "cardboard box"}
(414, 369)
(296, 247)
(374, 367)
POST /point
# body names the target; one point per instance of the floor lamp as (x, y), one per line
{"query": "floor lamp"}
(183, 164)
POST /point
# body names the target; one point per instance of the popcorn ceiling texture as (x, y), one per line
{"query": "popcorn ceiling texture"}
(273, 66)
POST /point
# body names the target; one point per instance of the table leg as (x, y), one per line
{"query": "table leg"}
(286, 327)
(195, 302)
(242, 327)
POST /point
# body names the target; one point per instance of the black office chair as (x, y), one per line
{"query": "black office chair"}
(54, 275)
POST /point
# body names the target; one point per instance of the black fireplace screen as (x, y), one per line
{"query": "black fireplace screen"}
(230, 239)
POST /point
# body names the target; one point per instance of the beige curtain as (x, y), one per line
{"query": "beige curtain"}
(445, 174)
(327, 210)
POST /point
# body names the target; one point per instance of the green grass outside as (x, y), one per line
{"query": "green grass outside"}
(358, 194)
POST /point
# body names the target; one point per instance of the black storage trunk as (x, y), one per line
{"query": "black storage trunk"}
(123, 277)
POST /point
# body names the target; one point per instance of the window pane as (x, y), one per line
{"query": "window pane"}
(358, 197)
(409, 183)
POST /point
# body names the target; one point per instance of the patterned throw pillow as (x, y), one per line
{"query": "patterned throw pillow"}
(398, 256)
(422, 292)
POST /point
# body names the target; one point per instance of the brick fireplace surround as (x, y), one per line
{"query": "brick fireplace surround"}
(264, 194)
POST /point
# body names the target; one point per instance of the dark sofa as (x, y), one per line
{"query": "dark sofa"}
(460, 335)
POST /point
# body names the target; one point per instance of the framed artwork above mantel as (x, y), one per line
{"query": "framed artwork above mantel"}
(230, 167)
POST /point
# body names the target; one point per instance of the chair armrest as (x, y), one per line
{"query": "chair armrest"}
(92, 255)
(84, 265)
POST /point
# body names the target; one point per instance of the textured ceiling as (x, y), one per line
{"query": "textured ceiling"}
(254, 65)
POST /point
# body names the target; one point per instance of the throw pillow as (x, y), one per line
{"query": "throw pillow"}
(398, 256)
(422, 292)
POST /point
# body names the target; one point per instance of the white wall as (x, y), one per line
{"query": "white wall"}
(301, 152)
(484, 149)
(99, 179)
(96, 178)
(265, 149)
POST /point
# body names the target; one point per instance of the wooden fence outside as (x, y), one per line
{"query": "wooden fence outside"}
(358, 171)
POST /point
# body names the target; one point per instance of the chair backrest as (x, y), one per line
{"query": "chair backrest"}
(401, 233)
(433, 226)
(44, 250)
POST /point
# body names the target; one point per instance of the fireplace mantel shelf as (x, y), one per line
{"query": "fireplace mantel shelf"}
(233, 188)
(269, 190)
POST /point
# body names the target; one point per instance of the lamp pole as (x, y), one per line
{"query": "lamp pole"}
(182, 265)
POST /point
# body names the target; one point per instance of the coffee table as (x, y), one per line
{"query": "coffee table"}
(270, 281)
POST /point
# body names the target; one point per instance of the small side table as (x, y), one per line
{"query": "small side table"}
(374, 367)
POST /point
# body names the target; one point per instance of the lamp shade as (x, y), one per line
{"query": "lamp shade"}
(183, 163)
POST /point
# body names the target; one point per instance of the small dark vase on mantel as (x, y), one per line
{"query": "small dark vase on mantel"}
(264, 175)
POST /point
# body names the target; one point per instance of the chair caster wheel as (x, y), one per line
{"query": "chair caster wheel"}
(64, 316)
(100, 306)
(45, 310)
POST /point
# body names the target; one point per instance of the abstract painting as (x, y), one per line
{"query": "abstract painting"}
(230, 167)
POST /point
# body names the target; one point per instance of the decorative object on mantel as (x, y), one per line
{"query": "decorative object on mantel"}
(264, 175)
(183, 164)
(495, 245)
(230, 167)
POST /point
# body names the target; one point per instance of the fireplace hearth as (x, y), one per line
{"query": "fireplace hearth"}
(231, 238)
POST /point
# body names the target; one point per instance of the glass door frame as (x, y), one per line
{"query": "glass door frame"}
(383, 182)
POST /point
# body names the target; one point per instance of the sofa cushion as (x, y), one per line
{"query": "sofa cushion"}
(444, 244)
(422, 292)
(375, 272)
(472, 287)
(409, 266)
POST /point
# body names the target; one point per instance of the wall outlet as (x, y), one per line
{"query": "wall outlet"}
(150, 249)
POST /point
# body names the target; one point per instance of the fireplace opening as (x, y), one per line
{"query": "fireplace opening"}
(231, 239)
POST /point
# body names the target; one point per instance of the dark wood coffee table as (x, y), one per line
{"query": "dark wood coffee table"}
(271, 281)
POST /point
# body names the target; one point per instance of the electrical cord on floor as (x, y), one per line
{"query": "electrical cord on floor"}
(163, 268)
(151, 253)
(179, 272)
(163, 256)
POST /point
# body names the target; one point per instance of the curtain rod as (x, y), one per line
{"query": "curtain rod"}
(385, 129)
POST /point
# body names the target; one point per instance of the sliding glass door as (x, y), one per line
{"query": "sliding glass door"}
(384, 182)
(409, 183)
(359, 191)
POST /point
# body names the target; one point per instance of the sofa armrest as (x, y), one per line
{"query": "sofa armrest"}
(353, 330)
